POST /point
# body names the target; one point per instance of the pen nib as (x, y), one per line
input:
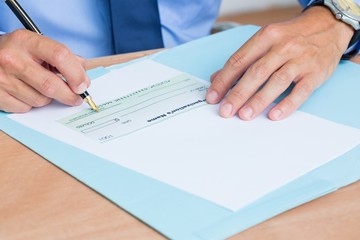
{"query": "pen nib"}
(91, 103)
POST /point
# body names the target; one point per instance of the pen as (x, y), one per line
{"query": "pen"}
(30, 25)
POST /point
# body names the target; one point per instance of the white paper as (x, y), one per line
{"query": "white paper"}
(137, 110)
(227, 161)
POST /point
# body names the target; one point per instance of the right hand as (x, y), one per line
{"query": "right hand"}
(25, 82)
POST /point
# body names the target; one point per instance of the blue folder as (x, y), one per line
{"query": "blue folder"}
(180, 215)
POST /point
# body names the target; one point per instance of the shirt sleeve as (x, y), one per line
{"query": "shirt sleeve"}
(304, 3)
(83, 26)
(184, 20)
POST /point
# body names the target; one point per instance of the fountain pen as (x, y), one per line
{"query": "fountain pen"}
(30, 25)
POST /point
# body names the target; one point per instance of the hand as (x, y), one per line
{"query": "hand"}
(304, 51)
(26, 82)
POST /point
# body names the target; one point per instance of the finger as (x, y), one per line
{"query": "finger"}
(50, 68)
(302, 90)
(235, 67)
(214, 75)
(9, 103)
(276, 85)
(252, 80)
(55, 70)
(64, 60)
(81, 60)
(49, 84)
(26, 93)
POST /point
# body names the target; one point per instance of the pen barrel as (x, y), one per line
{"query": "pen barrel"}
(84, 95)
(22, 16)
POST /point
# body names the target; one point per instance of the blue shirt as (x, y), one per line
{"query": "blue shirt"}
(85, 25)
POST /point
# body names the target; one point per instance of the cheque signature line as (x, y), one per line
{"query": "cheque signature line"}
(137, 104)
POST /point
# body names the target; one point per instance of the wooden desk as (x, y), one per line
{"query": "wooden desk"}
(40, 201)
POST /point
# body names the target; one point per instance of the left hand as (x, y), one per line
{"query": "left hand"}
(304, 50)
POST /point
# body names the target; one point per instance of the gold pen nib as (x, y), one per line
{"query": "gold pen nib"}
(91, 103)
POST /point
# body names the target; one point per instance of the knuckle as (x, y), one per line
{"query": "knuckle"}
(60, 53)
(219, 83)
(238, 95)
(288, 103)
(304, 89)
(46, 86)
(282, 78)
(270, 31)
(237, 61)
(260, 71)
(7, 58)
(20, 35)
(10, 61)
(259, 100)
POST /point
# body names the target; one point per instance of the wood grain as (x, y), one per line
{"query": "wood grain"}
(264, 17)
(120, 58)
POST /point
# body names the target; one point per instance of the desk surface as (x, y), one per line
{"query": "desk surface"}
(40, 201)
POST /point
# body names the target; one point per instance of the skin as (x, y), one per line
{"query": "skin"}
(304, 50)
(27, 81)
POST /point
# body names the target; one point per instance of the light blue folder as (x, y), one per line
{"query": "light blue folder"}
(177, 214)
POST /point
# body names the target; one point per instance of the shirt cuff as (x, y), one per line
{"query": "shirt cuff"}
(353, 49)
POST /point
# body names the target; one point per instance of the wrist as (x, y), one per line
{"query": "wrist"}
(322, 17)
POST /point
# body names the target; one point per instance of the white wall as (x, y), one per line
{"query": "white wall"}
(239, 6)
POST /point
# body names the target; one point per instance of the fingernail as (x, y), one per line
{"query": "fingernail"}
(246, 112)
(276, 114)
(81, 88)
(212, 96)
(226, 110)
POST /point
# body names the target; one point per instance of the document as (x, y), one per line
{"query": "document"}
(154, 121)
(139, 109)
